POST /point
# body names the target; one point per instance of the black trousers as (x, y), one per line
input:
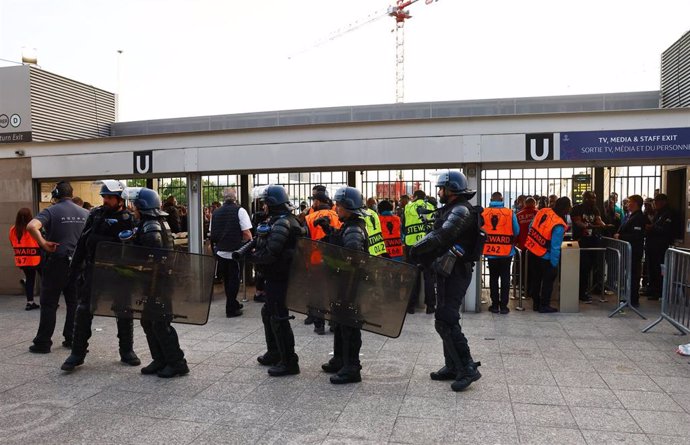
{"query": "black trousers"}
(451, 293)
(429, 288)
(30, 281)
(654, 258)
(589, 262)
(230, 271)
(55, 281)
(499, 270)
(541, 277)
(635, 278)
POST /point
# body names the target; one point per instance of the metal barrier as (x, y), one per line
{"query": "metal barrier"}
(619, 272)
(675, 297)
(599, 266)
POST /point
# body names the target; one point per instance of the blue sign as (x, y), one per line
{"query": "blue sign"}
(625, 144)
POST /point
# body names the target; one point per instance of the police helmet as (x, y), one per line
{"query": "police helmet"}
(454, 181)
(351, 199)
(274, 196)
(112, 187)
(145, 200)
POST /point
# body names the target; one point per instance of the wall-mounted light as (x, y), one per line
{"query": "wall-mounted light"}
(29, 56)
(19, 152)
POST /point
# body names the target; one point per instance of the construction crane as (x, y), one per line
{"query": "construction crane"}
(400, 13)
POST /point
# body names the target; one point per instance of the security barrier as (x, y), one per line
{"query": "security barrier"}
(517, 283)
(619, 272)
(675, 297)
(598, 272)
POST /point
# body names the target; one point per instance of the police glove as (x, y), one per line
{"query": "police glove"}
(325, 223)
(423, 211)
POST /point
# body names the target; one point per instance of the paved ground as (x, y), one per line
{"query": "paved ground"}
(556, 379)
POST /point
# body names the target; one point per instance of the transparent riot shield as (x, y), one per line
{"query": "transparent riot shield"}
(350, 287)
(153, 284)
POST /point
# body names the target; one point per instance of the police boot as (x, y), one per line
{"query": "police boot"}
(285, 339)
(272, 356)
(352, 343)
(174, 369)
(336, 362)
(469, 374)
(175, 363)
(158, 361)
(448, 371)
(125, 333)
(80, 338)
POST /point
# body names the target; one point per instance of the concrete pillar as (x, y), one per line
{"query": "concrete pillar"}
(195, 227)
(17, 192)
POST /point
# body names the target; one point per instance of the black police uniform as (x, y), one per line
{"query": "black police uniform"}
(633, 231)
(456, 224)
(168, 358)
(275, 248)
(347, 341)
(103, 224)
(659, 237)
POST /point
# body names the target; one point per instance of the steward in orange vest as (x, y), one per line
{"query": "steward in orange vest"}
(26, 250)
(391, 230)
(543, 242)
(541, 232)
(501, 227)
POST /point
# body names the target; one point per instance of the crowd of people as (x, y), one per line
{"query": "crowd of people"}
(444, 241)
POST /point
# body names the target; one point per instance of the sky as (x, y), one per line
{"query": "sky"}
(205, 57)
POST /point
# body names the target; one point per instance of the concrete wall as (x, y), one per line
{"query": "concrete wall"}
(16, 186)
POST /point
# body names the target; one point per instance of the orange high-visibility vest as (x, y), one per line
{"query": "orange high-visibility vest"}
(390, 228)
(498, 225)
(26, 250)
(539, 235)
(316, 232)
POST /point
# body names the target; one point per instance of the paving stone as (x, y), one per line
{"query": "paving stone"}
(537, 395)
(480, 410)
(538, 435)
(363, 426)
(485, 433)
(427, 407)
(604, 419)
(543, 415)
(663, 423)
(417, 430)
(578, 379)
(592, 397)
(230, 435)
(594, 437)
(647, 400)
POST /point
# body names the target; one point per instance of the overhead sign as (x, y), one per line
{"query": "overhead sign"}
(15, 105)
(143, 162)
(539, 146)
(625, 144)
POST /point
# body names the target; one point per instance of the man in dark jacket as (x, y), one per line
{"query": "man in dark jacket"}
(230, 228)
(347, 341)
(660, 235)
(633, 231)
(452, 248)
(275, 248)
(153, 231)
(103, 224)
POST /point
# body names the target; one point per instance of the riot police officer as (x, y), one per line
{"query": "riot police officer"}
(153, 231)
(275, 247)
(451, 249)
(103, 224)
(347, 341)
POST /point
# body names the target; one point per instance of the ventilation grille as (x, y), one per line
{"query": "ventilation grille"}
(675, 74)
(63, 109)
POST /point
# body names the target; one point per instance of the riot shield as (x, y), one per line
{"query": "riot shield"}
(350, 287)
(152, 284)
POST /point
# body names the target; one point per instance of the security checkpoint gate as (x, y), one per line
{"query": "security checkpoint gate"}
(675, 298)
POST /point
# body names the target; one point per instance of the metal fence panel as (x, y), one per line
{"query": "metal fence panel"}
(675, 298)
